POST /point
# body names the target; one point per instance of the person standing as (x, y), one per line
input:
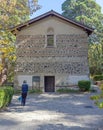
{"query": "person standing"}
(24, 92)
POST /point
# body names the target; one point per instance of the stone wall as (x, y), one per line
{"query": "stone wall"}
(67, 60)
(61, 80)
(54, 68)
(68, 57)
(66, 45)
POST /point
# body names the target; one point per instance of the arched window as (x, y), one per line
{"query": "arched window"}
(50, 37)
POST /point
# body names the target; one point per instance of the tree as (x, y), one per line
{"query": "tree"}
(88, 12)
(12, 13)
(82, 11)
(96, 58)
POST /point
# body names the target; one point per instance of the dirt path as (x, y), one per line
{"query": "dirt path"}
(52, 112)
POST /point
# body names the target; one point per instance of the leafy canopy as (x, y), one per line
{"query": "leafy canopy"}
(12, 13)
(87, 12)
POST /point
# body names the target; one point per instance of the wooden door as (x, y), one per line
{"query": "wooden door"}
(49, 82)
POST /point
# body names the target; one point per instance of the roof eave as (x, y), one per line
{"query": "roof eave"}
(53, 13)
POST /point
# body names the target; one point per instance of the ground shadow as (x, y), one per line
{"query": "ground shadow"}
(72, 106)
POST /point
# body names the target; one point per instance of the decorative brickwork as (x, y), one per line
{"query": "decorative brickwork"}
(53, 68)
(54, 59)
(66, 45)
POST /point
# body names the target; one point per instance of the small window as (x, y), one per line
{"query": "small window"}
(50, 40)
(36, 82)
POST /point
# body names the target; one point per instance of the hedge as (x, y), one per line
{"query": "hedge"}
(6, 94)
(84, 85)
(98, 77)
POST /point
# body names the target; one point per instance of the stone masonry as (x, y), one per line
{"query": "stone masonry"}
(68, 57)
(52, 52)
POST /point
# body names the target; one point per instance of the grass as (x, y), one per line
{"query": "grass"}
(37, 91)
(66, 90)
(17, 91)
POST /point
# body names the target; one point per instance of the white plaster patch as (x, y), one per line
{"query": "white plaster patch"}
(74, 79)
(28, 78)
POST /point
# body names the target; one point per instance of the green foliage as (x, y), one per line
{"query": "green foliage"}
(10, 91)
(12, 13)
(6, 94)
(101, 86)
(98, 77)
(84, 85)
(89, 13)
(3, 94)
(97, 99)
(96, 58)
(17, 91)
(67, 90)
(36, 91)
(100, 105)
(82, 10)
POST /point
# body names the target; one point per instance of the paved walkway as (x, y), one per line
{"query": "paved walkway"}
(53, 112)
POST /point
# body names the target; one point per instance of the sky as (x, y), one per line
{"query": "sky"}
(55, 5)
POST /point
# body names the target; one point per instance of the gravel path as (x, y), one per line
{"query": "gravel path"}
(53, 112)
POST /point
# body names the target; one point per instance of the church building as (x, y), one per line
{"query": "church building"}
(52, 52)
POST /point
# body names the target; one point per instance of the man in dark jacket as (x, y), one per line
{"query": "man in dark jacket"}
(24, 92)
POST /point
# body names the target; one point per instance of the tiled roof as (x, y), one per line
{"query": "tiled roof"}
(52, 13)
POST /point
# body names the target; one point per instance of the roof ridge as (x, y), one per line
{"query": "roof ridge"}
(52, 12)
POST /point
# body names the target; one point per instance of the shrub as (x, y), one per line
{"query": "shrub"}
(95, 97)
(101, 86)
(3, 94)
(6, 94)
(84, 85)
(16, 91)
(98, 100)
(98, 77)
(10, 91)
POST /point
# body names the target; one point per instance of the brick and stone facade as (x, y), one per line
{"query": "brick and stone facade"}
(66, 60)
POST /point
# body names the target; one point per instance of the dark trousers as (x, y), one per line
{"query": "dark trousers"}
(24, 95)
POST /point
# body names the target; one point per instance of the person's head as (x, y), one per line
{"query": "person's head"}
(24, 81)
